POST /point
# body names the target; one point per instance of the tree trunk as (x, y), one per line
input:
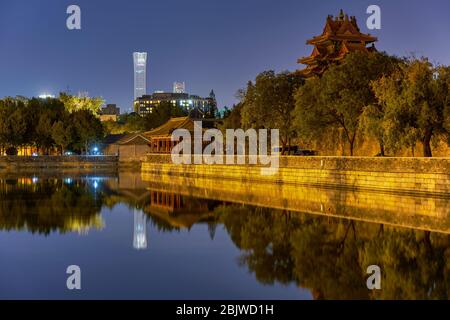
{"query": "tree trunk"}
(350, 139)
(289, 146)
(351, 142)
(283, 147)
(382, 149)
(426, 144)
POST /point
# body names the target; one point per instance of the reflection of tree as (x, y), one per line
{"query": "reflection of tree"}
(263, 235)
(416, 264)
(326, 259)
(330, 256)
(48, 205)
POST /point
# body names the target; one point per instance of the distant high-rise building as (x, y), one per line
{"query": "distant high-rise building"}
(83, 94)
(179, 87)
(203, 107)
(140, 74)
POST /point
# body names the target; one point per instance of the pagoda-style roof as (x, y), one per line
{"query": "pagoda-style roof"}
(134, 139)
(341, 35)
(340, 29)
(126, 139)
(167, 128)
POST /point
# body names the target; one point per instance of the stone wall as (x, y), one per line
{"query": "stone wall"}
(398, 175)
(68, 163)
(132, 152)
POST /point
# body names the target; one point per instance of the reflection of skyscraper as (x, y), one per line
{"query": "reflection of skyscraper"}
(140, 74)
(179, 87)
(140, 230)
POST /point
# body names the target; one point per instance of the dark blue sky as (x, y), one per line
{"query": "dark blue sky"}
(206, 43)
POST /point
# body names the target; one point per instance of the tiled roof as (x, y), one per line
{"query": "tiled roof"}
(167, 128)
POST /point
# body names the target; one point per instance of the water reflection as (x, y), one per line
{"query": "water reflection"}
(47, 205)
(140, 230)
(328, 255)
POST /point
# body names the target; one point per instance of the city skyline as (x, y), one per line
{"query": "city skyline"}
(243, 40)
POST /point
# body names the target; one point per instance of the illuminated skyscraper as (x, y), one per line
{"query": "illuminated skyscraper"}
(140, 74)
(179, 87)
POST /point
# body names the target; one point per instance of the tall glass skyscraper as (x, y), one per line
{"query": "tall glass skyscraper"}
(140, 74)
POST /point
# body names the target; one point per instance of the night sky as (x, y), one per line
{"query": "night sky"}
(209, 44)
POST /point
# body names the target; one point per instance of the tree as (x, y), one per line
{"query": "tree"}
(76, 103)
(88, 129)
(62, 134)
(338, 99)
(13, 125)
(269, 104)
(416, 101)
(44, 138)
(372, 125)
(48, 112)
(232, 118)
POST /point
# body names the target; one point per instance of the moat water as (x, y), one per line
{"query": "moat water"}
(154, 237)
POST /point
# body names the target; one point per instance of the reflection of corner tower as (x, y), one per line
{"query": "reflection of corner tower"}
(140, 230)
(140, 74)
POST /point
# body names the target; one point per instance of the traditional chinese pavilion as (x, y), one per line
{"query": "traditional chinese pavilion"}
(340, 36)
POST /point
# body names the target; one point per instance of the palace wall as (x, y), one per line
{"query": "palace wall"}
(398, 175)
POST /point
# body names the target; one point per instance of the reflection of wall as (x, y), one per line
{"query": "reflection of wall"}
(140, 230)
(419, 212)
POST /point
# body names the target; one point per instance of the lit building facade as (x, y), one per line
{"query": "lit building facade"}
(147, 104)
(179, 87)
(140, 74)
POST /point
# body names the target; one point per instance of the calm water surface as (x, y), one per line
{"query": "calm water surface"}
(134, 241)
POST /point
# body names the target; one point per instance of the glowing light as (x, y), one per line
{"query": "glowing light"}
(46, 96)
